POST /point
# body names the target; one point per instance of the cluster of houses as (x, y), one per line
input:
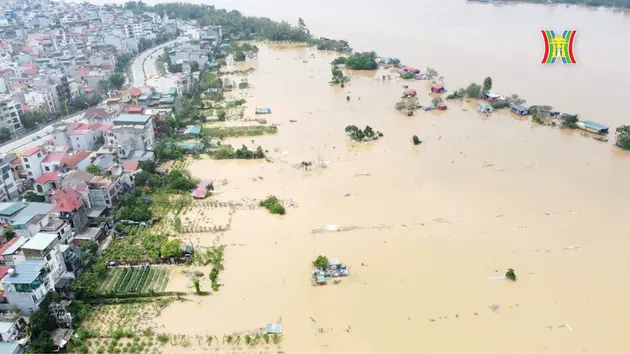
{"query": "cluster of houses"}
(335, 269)
(484, 106)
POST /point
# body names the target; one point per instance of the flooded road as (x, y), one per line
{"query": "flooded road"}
(478, 196)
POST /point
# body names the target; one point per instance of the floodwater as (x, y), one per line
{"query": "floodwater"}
(478, 196)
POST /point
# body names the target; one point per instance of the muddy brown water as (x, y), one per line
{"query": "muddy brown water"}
(479, 194)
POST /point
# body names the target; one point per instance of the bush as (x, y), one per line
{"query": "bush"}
(510, 274)
(243, 85)
(623, 137)
(162, 338)
(416, 140)
(272, 204)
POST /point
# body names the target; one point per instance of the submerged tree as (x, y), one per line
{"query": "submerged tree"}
(473, 91)
(623, 137)
(510, 274)
(416, 140)
(487, 84)
(436, 101)
(321, 262)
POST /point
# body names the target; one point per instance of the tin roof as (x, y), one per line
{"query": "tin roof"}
(131, 119)
(40, 241)
(25, 272)
(595, 125)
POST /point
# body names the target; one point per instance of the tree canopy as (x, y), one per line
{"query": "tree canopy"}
(31, 119)
(623, 137)
(362, 61)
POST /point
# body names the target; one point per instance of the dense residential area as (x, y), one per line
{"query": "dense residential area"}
(86, 128)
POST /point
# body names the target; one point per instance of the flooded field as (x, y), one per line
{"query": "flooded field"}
(421, 227)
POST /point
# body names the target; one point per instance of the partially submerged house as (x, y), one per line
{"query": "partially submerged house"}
(520, 110)
(592, 127)
(335, 269)
(409, 93)
(201, 192)
(437, 88)
(484, 107)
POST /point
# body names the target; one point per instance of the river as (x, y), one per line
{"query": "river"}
(480, 195)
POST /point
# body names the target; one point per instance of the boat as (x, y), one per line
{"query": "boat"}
(263, 110)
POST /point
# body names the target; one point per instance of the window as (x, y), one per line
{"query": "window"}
(25, 159)
(39, 154)
(39, 188)
(27, 166)
(77, 138)
(46, 168)
(30, 173)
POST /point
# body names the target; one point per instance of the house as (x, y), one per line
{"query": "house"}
(491, 96)
(135, 94)
(201, 192)
(592, 127)
(101, 114)
(105, 191)
(77, 161)
(409, 93)
(46, 182)
(520, 110)
(10, 348)
(192, 131)
(408, 69)
(437, 88)
(105, 162)
(484, 107)
(19, 214)
(133, 132)
(8, 185)
(69, 207)
(47, 248)
(27, 284)
(52, 162)
(32, 162)
(8, 330)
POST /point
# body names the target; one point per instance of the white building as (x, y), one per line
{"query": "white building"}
(133, 132)
(29, 281)
(10, 113)
(8, 187)
(32, 162)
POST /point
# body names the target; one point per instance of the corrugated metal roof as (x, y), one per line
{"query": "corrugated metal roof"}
(15, 246)
(595, 124)
(12, 209)
(25, 272)
(5, 327)
(40, 241)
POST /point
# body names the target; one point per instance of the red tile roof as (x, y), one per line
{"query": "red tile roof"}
(64, 193)
(67, 205)
(29, 69)
(53, 158)
(79, 131)
(130, 166)
(6, 246)
(134, 109)
(72, 160)
(134, 91)
(4, 270)
(47, 177)
(31, 152)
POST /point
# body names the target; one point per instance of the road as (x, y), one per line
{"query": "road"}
(39, 137)
(144, 64)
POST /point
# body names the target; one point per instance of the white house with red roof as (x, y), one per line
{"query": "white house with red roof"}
(69, 207)
(47, 182)
(52, 162)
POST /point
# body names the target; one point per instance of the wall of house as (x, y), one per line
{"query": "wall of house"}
(8, 335)
(26, 302)
(83, 142)
(32, 165)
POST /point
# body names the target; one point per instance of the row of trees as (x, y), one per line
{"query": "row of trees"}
(362, 135)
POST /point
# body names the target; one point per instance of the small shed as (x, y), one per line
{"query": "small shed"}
(192, 131)
(274, 328)
(320, 279)
(484, 107)
(520, 110)
(437, 88)
(409, 93)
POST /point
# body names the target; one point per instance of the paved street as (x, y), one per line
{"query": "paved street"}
(149, 65)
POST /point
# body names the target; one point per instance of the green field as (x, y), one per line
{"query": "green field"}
(135, 280)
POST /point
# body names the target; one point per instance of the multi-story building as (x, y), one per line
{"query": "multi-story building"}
(10, 113)
(133, 30)
(105, 191)
(69, 207)
(133, 132)
(32, 162)
(8, 186)
(44, 266)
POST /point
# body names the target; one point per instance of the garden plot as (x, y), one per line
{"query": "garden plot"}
(135, 280)
(106, 320)
(206, 216)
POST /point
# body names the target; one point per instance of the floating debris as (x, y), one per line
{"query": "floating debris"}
(495, 308)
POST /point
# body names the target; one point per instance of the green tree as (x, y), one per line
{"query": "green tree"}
(171, 248)
(194, 66)
(321, 263)
(9, 233)
(5, 134)
(416, 140)
(623, 137)
(362, 61)
(221, 115)
(103, 85)
(240, 56)
(487, 84)
(31, 119)
(93, 170)
(473, 91)
(436, 101)
(31, 196)
(117, 80)
(510, 274)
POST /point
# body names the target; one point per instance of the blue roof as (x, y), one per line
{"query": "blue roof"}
(25, 272)
(595, 124)
(193, 129)
(8, 347)
(274, 328)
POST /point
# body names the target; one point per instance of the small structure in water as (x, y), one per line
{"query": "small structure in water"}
(409, 93)
(592, 127)
(427, 108)
(437, 88)
(484, 107)
(441, 107)
(409, 112)
(335, 269)
(520, 110)
(263, 110)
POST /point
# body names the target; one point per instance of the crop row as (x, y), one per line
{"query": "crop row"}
(129, 280)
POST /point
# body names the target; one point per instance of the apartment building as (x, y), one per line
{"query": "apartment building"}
(10, 113)
(8, 186)
(133, 132)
